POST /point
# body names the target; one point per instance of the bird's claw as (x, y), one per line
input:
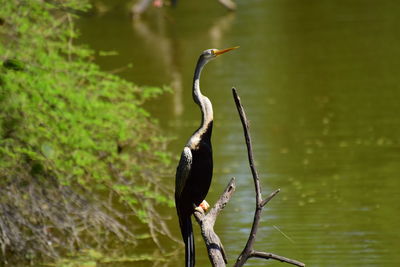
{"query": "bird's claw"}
(203, 207)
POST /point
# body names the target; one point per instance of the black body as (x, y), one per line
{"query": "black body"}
(195, 168)
(195, 190)
(200, 175)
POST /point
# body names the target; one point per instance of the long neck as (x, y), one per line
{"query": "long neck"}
(201, 100)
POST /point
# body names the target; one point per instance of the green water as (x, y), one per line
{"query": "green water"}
(320, 83)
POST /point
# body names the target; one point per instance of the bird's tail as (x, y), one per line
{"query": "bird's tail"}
(188, 238)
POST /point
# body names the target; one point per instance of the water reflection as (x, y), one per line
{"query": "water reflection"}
(167, 50)
(320, 84)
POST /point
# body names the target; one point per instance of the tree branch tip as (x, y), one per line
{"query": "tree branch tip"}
(267, 199)
(235, 94)
(267, 255)
(232, 183)
(274, 193)
(231, 186)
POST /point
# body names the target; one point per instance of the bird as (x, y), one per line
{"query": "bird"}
(195, 167)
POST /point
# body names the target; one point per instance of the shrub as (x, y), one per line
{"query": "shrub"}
(76, 147)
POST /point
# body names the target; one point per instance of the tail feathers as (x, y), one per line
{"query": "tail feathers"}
(188, 238)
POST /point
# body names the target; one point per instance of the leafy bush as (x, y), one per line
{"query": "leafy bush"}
(71, 137)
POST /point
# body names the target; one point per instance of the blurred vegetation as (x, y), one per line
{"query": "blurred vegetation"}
(77, 150)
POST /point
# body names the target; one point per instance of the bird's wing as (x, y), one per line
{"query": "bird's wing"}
(183, 170)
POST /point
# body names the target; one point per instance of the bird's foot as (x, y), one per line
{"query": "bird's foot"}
(203, 207)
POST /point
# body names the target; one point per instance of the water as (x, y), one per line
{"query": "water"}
(320, 83)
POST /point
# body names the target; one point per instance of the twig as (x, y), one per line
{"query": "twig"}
(265, 255)
(216, 252)
(265, 201)
(248, 251)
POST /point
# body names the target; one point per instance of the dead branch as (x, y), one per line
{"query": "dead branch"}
(266, 255)
(248, 251)
(216, 252)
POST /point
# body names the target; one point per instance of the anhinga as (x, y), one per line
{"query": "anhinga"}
(194, 172)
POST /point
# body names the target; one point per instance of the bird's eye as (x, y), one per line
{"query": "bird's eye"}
(213, 52)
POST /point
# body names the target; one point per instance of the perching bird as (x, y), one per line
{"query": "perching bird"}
(194, 172)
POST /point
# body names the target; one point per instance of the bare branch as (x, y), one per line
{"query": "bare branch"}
(257, 214)
(265, 255)
(216, 252)
(247, 137)
(248, 251)
(265, 201)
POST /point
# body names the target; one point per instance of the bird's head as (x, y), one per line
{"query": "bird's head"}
(206, 57)
(213, 53)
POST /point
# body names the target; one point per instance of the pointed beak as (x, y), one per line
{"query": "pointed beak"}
(220, 52)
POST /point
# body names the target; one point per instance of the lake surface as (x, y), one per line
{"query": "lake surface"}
(319, 81)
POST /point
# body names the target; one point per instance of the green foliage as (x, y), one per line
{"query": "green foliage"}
(13, 64)
(63, 117)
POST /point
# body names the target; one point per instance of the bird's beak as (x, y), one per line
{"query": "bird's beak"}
(220, 52)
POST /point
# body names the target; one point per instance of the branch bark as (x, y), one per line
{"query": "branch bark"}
(216, 252)
(248, 251)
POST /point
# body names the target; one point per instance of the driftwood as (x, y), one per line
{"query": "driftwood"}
(214, 246)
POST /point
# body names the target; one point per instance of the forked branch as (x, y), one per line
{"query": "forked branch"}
(216, 252)
(248, 251)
